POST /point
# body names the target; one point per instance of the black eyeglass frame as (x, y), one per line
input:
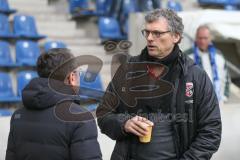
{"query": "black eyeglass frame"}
(155, 33)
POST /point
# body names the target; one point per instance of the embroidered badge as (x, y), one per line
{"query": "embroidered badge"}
(189, 89)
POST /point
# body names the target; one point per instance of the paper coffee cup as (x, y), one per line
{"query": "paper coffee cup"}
(146, 138)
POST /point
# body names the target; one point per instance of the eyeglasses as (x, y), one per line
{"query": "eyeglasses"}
(155, 33)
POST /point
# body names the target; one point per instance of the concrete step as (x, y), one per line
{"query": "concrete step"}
(80, 41)
(46, 17)
(15, 3)
(36, 10)
(52, 17)
(96, 50)
(61, 30)
(62, 34)
(56, 25)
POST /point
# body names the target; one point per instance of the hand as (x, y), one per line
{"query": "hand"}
(138, 126)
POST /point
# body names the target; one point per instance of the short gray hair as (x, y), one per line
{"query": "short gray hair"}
(174, 21)
(203, 26)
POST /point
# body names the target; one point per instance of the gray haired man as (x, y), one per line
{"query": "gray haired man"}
(161, 88)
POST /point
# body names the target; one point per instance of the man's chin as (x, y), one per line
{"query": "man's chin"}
(152, 53)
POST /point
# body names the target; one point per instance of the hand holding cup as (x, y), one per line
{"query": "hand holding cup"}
(141, 127)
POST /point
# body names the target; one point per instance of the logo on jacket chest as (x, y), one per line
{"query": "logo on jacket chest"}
(189, 89)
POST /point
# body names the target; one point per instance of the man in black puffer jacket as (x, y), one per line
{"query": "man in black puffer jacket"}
(38, 131)
(163, 88)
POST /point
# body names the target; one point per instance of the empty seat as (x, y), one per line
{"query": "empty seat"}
(230, 7)
(75, 5)
(103, 7)
(6, 89)
(109, 29)
(23, 78)
(174, 5)
(4, 7)
(129, 6)
(90, 89)
(5, 27)
(25, 27)
(92, 107)
(148, 5)
(216, 2)
(27, 52)
(5, 112)
(54, 44)
(5, 54)
(5, 85)
(81, 8)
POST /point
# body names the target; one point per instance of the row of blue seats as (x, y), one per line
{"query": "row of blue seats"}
(82, 8)
(5, 8)
(234, 3)
(114, 26)
(23, 77)
(26, 52)
(105, 7)
(24, 26)
(6, 85)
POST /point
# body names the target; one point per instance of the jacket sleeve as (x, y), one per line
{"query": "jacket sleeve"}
(10, 153)
(209, 127)
(84, 144)
(110, 120)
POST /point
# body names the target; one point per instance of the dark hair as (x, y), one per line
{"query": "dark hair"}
(49, 61)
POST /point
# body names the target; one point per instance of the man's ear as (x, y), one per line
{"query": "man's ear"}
(176, 38)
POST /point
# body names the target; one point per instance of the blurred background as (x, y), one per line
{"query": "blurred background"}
(104, 28)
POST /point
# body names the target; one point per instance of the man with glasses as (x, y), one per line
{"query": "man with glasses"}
(163, 89)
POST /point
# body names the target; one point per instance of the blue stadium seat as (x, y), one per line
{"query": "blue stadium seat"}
(227, 4)
(148, 5)
(80, 8)
(6, 89)
(95, 85)
(5, 27)
(213, 2)
(5, 54)
(174, 5)
(4, 7)
(5, 112)
(129, 6)
(92, 107)
(230, 7)
(27, 52)
(23, 78)
(109, 29)
(25, 27)
(103, 7)
(77, 4)
(54, 44)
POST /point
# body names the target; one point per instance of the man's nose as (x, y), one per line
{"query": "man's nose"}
(150, 37)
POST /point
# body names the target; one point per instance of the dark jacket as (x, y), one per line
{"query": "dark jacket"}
(36, 132)
(196, 137)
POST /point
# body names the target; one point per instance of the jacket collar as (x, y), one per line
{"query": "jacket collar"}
(183, 60)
